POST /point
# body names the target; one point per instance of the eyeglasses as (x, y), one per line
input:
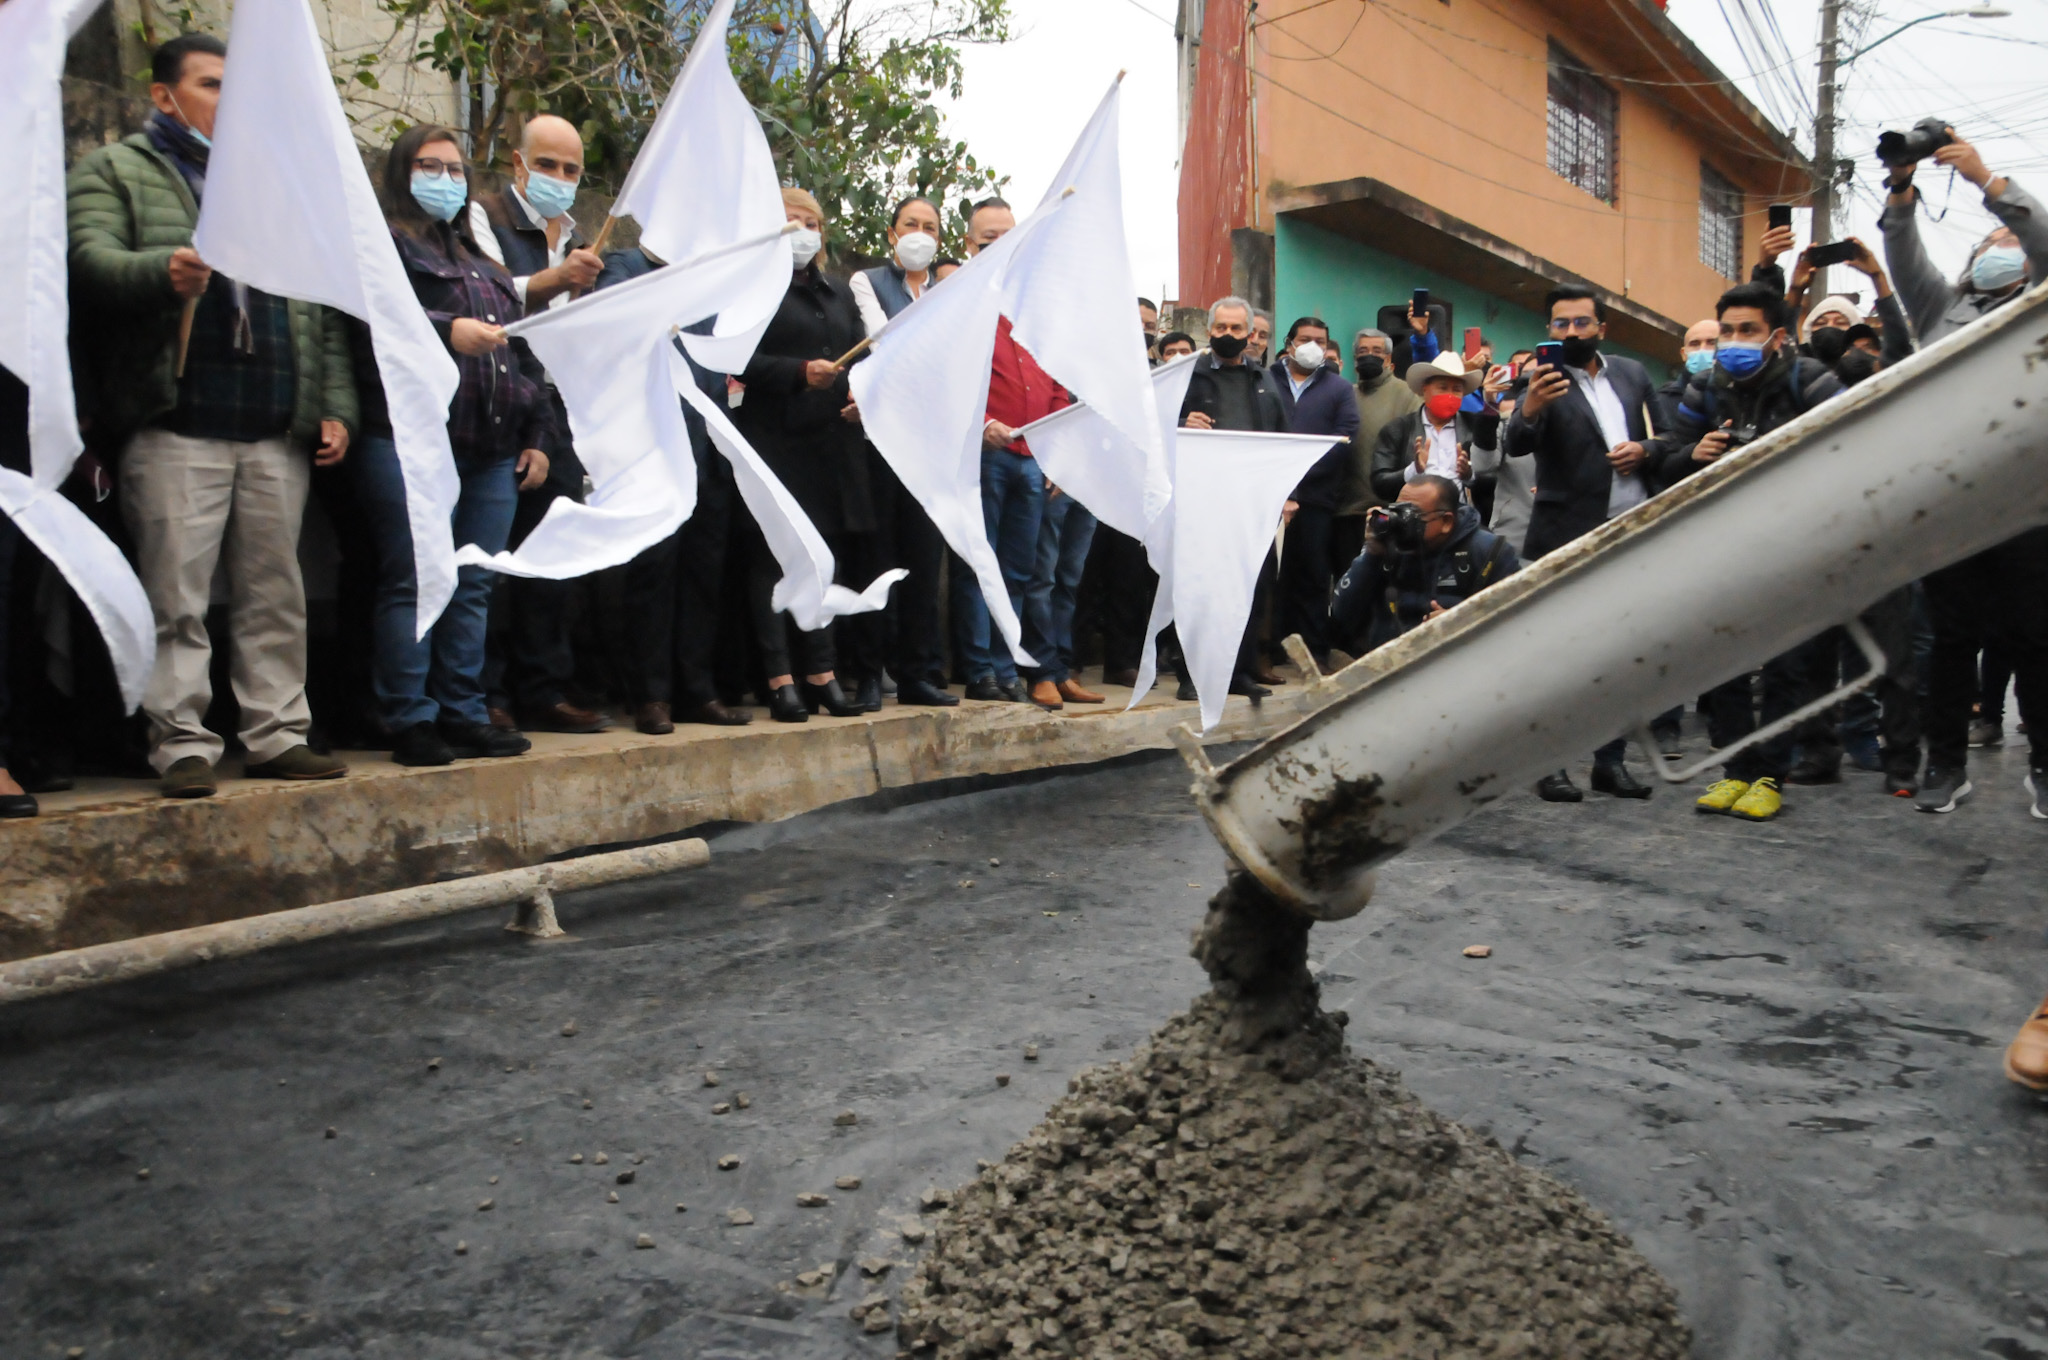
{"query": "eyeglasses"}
(431, 166)
(1575, 323)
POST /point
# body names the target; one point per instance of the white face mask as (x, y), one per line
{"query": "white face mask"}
(915, 250)
(1308, 356)
(804, 244)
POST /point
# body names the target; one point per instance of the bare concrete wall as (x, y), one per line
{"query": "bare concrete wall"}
(120, 870)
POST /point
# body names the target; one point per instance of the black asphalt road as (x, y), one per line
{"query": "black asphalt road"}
(1770, 1052)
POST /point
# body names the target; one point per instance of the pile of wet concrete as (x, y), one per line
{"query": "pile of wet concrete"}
(1243, 1187)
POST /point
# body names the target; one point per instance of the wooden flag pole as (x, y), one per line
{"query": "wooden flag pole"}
(843, 360)
(604, 233)
(185, 331)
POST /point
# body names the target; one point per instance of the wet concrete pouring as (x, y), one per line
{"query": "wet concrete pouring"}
(1767, 1054)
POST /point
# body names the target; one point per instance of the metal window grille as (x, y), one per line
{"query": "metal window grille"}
(1720, 223)
(1581, 126)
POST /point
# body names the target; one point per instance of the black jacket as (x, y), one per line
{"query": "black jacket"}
(1384, 594)
(797, 429)
(1395, 451)
(1206, 394)
(1573, 476)
(1786, 388)
(1327, 405)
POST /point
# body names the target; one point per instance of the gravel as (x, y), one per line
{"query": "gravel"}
(1244, 1187)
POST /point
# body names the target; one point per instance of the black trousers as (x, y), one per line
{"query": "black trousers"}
(1997, 598)
(529, 660)
(1833, 657)
(1731, 713)
(672, 597)
(905, 636)
(9, 537)
(1128, 584)
(784, 648)
(1305, 579)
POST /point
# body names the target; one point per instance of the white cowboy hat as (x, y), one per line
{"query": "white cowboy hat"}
(1446, 365)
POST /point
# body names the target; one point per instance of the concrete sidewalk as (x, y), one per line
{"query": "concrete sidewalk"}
(112, 859)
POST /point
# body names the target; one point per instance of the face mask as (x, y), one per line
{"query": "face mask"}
(1828, 343)
(197, 135)
(804, 245)
(1228, 346)
(1370, 366)
(1443, 405)
(1998, 269)
(1308, 356)
(915, 250)
(439, 196)
(1698, 361)
(1580, 349)
(1739, 360)
(550, 197)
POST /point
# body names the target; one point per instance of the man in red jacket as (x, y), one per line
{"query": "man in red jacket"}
(1012, 486)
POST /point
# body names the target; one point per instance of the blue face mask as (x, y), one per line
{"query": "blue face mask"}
(1739, 360)
(439, 196)
(550, 197)
(1698, 361)
(1998, 269)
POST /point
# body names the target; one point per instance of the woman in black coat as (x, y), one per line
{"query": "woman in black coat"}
(798, 414)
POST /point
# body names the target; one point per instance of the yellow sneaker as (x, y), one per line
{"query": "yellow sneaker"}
(1761, 803)
(1721, 795)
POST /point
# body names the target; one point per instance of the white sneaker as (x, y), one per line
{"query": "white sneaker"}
(2039, 815)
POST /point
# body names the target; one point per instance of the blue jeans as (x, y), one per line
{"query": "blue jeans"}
(1012, 503)
(441, 676)
(1065, 532)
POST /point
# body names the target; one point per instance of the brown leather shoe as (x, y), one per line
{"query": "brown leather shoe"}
(1046, 695)
(1126, 678)
(651, 719)
(2026, 1058)
(501, 718)
(714, 714)
(1266, 675)
(566, 717)
(1071, 691)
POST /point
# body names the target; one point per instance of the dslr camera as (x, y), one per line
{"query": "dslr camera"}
(1917, 143)
(1399, 525)
(1739, 435)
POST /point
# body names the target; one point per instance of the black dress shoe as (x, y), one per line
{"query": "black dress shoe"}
(867, 695)
(925, 692)
(421, 744)
(1616, 780)
(13, 805)
(786, 705)
(469, 741)
(1814, 770)
(1248, 686)
(1186, 693)
(1558, 788)
(986, 691)
(714, 714)
(1016, 691)
(831, 698)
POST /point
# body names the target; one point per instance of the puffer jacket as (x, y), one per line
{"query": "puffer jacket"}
(129, 209)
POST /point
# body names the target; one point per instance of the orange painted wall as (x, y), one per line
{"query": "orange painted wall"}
(1447, 103)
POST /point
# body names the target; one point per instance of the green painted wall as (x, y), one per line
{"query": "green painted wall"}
(1318, 273)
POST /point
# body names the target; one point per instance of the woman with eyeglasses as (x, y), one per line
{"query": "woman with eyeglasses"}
(429, 690)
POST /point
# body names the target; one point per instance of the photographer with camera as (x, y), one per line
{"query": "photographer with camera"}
(1424, 553)
(2000, 595)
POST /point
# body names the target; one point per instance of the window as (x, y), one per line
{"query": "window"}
(1581, 126)
(1720, 223)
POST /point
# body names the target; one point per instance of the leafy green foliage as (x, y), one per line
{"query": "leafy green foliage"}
(845, 94)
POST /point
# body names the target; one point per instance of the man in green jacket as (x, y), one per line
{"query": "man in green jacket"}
(213, 394)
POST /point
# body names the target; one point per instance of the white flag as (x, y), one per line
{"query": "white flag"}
(1226, 490)
(806, 589)
(289, 210)
(35, 320)
(704, 178)
(923, 397)
(1073, 306)
(612, 357)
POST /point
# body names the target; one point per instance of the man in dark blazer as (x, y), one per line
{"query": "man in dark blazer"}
(1316, 400)
(1584, 422)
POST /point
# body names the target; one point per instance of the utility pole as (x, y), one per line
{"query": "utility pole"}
(1824, 137)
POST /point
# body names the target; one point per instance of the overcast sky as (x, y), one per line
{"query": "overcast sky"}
(1025, 100)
